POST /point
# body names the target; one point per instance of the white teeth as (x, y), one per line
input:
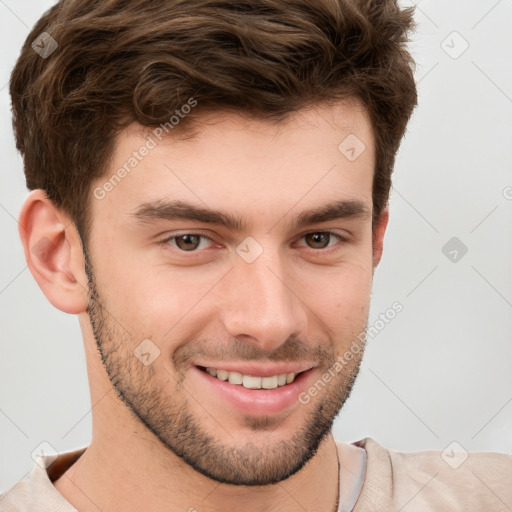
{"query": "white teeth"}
(269, 382)
(252, 382)
(222, 374)
(235, 378)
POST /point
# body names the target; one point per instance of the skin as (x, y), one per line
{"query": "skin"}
(297, 301)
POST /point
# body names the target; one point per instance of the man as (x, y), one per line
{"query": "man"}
(209, 195)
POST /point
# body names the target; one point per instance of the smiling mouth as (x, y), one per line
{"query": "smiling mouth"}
(251, 381)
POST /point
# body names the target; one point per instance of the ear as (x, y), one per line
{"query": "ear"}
(378, 236)
(53, 251)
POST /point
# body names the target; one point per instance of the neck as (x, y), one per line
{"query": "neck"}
(127, 469)
(119, 473)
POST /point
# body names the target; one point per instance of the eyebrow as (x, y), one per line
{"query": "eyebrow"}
(180, 210)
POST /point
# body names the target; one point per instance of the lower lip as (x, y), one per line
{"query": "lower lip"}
(257, 402)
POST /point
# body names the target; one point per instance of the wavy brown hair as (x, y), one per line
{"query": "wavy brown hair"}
(120, 61)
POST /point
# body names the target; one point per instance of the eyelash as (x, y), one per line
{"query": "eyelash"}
(203, 235)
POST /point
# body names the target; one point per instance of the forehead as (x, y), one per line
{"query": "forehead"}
(245, 165)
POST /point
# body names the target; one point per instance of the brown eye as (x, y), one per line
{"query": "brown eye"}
(189, 242)
(318, 240)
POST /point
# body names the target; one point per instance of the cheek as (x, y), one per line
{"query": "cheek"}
(158, 301)
(154, 299)
(342, 296)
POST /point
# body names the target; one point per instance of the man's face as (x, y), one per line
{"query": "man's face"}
(276, 294)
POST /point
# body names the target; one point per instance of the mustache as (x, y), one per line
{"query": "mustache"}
(294, 349)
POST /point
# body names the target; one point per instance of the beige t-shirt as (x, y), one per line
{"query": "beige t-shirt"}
(386, 480)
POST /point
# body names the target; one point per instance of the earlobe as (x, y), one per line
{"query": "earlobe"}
(53, 251)
(378, 236)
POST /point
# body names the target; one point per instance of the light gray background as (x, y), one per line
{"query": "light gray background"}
(441, 371)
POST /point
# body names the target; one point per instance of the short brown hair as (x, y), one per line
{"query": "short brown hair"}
(120, 61)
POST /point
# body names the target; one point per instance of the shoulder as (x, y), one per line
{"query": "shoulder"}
(435, 480)
(36, 490)
(16, 498)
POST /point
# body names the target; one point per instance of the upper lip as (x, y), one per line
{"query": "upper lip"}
(257, 370)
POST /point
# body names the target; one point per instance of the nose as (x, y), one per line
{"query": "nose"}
(262, 303)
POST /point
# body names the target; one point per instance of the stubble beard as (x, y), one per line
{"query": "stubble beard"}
(179, 430)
